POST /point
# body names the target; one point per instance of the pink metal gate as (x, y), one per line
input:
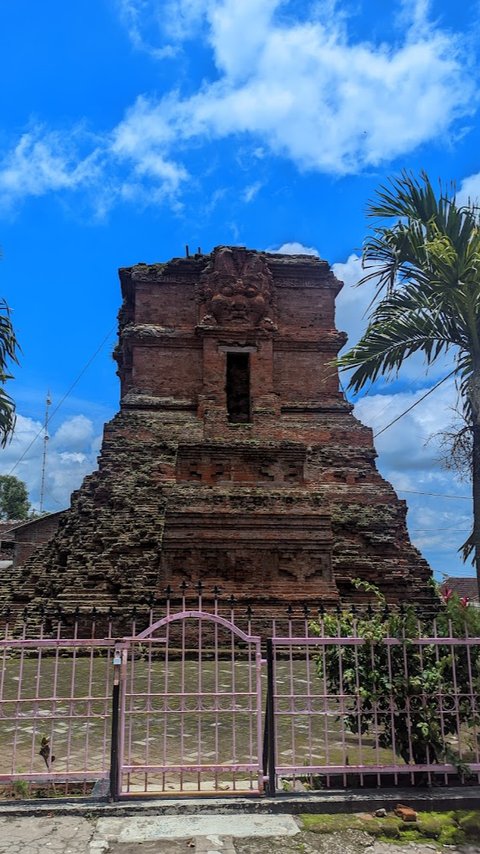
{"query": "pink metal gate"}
(190, 712)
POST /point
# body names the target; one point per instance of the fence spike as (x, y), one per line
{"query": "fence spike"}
(306, 611)
(216, 591)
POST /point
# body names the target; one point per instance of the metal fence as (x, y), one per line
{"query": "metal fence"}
(55, 709)
(200, 697)
(190, 708)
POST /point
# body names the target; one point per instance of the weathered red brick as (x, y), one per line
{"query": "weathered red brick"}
(288, 507)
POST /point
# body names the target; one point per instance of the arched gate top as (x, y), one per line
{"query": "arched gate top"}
(197, 615)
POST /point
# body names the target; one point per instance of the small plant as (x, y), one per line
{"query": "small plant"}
(413, 696)
(45, 752)
(21, 789)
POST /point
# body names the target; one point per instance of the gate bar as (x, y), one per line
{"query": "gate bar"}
(114, 781)
(270, 721)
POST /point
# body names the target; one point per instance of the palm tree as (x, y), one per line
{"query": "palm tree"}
(8, 350)
(426, 260)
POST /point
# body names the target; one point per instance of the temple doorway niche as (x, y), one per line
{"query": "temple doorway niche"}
(238, 388)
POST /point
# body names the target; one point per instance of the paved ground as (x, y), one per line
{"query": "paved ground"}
(230, 834)
(35, 835)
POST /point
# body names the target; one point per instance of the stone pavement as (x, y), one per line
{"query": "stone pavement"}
(39, 834)
(189, 834)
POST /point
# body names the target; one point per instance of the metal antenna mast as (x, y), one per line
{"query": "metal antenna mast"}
(45, 443)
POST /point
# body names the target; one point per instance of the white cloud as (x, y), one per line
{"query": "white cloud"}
(117, 167)
(229, 19)
(352, 302)
(139, 17)
(405, 445)
(71, 454)
(310, 93)
(251, 191)
(305, 89)
(294, 248)
(469, 192)
(76, 433)
(43, 161)
(415, 14)
(410, 459)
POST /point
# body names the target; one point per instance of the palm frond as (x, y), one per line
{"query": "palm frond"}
(8, 351)
(390, 338)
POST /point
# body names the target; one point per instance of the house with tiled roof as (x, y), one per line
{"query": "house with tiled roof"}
(465, 587)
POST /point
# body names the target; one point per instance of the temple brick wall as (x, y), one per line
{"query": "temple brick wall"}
(235, 459)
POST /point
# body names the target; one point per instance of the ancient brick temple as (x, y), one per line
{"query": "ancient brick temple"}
(234, 459)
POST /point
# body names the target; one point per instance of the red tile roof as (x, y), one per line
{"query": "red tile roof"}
(462, 586)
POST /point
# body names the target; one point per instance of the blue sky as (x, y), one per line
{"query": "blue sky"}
(130, 128)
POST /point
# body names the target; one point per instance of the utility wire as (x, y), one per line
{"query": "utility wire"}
(408, 386)
(436, 530)
(67, 394)
(390, 424)
(415, 404)
(443, 528)
(435, 494)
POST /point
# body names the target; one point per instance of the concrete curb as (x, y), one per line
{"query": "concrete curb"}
(367, 800)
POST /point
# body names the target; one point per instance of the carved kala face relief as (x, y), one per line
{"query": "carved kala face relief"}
(237, 288)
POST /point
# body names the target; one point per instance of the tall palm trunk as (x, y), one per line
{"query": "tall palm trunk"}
(475, 404)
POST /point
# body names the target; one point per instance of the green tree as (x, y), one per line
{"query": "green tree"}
(414, 696)
(8, 351)
(426, 260)
(14, 502)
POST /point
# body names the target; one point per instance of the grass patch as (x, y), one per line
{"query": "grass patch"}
(333, 823)
(446, 828)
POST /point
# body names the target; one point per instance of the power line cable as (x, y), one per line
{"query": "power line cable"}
(435, 494)
(390, 424)
(408, 386)
(413, 405)
(437, 530)
(443, 528)
(67, 394)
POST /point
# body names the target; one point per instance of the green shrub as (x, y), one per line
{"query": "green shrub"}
(21, 789)
(394, 690)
